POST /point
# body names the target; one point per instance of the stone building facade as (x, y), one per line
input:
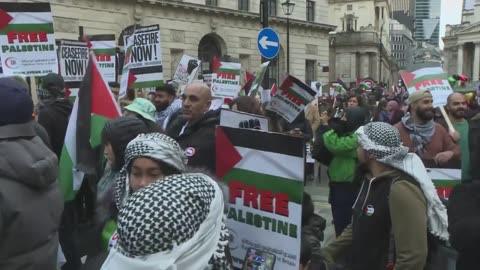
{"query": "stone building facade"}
(226, 29)
(462, 45)
(360, 46)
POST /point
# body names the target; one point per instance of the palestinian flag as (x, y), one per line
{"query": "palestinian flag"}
(445, 178)
(94, 106)
(246, 87)
(265, 195)
(259, 75)
(104, 48)
(297, 88)
(70, 177)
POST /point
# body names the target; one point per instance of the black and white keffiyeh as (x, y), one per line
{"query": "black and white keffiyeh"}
(176, 223)
(156, 146)
(383, 142)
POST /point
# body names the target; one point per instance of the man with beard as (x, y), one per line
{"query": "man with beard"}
(456, 109)
(166, 103)
(422, 135)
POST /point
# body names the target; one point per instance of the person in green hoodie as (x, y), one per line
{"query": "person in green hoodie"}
(341, 141)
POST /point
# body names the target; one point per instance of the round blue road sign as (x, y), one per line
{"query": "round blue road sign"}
(268, 43)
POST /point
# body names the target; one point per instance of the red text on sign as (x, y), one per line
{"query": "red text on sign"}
(292, 98)
(264, 200)
(26, 37)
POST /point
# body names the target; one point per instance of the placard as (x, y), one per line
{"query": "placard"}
(236, 119)
(226, 80)
(265, 203)
(186, 70)
(27, 39)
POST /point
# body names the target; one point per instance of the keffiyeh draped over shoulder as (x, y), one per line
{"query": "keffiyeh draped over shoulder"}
(382, 141)
(174, 224)
(156, 146)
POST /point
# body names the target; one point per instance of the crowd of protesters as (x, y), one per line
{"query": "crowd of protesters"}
(145, 208)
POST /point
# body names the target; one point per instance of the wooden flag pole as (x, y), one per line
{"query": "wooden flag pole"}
(447, 119)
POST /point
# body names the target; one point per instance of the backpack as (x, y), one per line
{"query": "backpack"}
(441, 256)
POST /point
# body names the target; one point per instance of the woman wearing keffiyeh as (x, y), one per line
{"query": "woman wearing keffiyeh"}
(168, 219)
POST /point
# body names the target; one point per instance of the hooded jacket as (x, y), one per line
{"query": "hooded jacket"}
(53, 116)
(342, 142)
(31, 201)
(197, 139)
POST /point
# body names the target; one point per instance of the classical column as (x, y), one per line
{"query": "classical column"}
(460, 59)
(476, 63)
(364, 65)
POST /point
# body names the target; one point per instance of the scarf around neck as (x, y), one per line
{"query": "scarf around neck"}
(382, 141)
(421, 135)
(173, 224)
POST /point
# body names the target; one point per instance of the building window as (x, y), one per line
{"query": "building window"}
(243, 5)
(211, 3)
(272, 7)
(349, 7)
(351, 23)
(310, 11)
(310, 71)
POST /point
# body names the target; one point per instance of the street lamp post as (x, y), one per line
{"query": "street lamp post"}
(287, 8)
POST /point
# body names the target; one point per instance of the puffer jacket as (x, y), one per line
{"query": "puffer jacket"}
(31, 203)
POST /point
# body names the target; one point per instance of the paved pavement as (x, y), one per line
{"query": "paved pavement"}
(318, 189)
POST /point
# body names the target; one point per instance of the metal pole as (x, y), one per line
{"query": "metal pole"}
(288, 44)
(380, 56)
(265, 15)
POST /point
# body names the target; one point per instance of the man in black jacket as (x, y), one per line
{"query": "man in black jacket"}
(194, 128)
(53, 115)
(54, 110)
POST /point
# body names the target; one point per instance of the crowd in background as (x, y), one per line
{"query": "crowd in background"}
(374, 144)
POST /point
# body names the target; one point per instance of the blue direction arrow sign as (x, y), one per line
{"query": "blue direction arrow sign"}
(268, 43)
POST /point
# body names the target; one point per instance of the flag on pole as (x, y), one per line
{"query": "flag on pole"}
(94, 106)
(246, 87)
(216, 64)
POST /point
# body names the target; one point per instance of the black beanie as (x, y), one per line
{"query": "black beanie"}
(16, 105)
(119, 132)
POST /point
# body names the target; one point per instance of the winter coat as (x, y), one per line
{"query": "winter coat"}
(197, 139)
(31, 201)
(464, 223)
(54, 116)
(342, 143)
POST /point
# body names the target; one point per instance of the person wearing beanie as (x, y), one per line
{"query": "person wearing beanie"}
(31, 201)
(429, 140)
(398, 199)
(116, 135)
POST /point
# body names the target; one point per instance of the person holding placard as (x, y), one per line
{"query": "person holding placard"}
(422, 135)
(465, 131)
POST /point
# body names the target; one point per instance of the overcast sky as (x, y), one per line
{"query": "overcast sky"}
(451, 13)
